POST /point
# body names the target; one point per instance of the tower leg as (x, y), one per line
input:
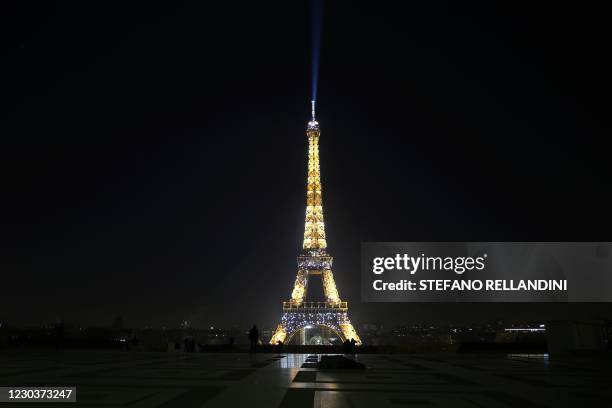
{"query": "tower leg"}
(299, 289)
(329, 287)
(349, 333)
(279, 335)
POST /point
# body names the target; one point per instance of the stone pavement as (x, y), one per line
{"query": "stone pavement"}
(123, 379)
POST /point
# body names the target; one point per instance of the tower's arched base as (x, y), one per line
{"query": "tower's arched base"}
(316, 335)
(296, 323)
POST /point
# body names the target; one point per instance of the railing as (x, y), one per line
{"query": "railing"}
(335, 306)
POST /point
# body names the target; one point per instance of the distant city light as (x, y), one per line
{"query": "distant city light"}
(526, 329)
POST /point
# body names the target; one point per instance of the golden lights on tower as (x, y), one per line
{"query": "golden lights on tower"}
(299, 289)
(279, 335)
(314, 228)
(329, 287)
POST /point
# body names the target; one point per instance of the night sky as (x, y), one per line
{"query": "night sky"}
(155, 156)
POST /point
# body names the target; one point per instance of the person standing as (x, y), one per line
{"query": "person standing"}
(253, 337)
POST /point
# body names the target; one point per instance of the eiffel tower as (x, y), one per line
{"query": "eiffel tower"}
(332, 313)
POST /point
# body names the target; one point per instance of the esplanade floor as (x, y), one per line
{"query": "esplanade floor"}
(132, 379)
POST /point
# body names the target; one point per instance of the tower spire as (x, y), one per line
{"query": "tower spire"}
(312, 103)
(313, 124)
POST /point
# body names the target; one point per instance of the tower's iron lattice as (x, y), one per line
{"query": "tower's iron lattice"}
(314, 260)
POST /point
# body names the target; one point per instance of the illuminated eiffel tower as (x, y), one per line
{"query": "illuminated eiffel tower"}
(297, 313)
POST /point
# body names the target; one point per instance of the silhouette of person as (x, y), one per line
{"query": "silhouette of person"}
(353, 344)
(253, 337)
(189, 345)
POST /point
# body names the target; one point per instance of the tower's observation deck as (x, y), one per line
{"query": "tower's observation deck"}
(314, 260)
(313, 307)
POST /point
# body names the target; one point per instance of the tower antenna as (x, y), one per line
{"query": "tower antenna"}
(312, 103)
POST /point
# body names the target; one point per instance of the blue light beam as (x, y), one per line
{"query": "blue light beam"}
(317, 27)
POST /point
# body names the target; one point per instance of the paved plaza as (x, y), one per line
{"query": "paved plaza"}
(124, 379)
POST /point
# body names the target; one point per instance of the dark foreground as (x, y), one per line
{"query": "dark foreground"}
(113, 379)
